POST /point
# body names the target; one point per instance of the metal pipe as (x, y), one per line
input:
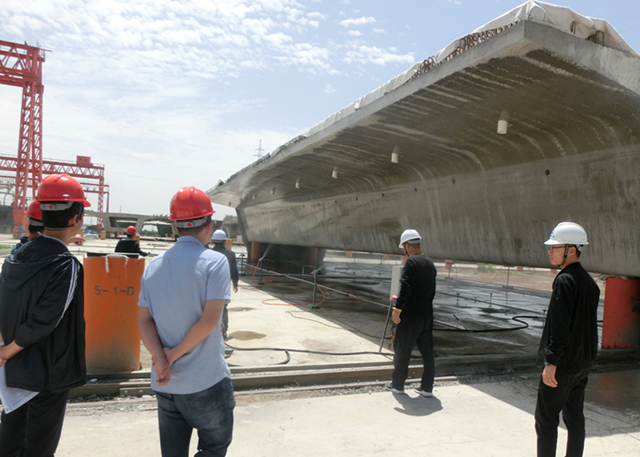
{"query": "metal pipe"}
(260, 283)
(386, 323)
(315, 291)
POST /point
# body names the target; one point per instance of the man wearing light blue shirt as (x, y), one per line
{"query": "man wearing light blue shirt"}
(181, 299)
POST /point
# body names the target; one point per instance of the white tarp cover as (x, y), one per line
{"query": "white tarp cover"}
(533, 10)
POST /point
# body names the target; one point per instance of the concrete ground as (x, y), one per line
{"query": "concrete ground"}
(477, 419)
(489, 417)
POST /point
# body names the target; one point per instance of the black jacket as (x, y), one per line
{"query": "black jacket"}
(231, 257)
(570, 335)
(42, 310)
(131, 246)
(23, 241)
(417, 287)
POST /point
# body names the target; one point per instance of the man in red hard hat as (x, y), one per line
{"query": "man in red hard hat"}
(181, 299)
(35, 226)
(129, 245)
(42, 323)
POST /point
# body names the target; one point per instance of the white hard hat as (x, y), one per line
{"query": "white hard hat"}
(219, 235)
(568, 233)
(411, 236)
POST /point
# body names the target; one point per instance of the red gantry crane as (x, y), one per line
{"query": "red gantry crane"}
(21, 66)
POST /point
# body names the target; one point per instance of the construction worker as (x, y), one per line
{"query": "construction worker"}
(42, 323)
(219, 238)
(35, 224)
(413, 315)
(129, 245)
(569, 343)
(181, 299)
(36, 227)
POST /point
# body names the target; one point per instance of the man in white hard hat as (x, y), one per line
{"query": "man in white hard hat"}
(569, 343)
(219, 237)
(413, 315)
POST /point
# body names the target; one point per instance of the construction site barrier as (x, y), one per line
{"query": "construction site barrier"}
(621, 323)
(111, 290)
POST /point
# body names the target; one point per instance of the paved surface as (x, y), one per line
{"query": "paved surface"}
(481, 419)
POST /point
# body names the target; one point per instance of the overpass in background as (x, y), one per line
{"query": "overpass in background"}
(118, 222)
(523, 125)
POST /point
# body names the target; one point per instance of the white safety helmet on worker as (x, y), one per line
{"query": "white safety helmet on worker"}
(568, 233)
(409, 236)
(219, 236)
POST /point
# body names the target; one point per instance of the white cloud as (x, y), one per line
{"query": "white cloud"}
(372, 54)
(360, 21)
(379, 31)
(131, 83)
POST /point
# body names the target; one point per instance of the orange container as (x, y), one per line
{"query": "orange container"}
(111, 290)
(621, 325)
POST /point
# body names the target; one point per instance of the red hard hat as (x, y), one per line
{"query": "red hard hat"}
(190, 203)
(131, 229)
(61, 188)
(34, 211)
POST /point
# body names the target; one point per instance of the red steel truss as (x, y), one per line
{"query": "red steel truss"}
(82, 168)
(21, 66)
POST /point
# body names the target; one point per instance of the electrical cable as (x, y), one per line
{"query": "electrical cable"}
(308, 351)
(286, 351)
(490, 330)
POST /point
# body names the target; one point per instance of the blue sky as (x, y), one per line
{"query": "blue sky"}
(170, 93)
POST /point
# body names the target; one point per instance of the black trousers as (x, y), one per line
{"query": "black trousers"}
(34, 429)
(568, 397)
(409, 331)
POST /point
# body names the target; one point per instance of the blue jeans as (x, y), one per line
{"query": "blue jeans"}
(210, 412)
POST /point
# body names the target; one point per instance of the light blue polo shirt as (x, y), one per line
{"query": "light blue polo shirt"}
(175, 287)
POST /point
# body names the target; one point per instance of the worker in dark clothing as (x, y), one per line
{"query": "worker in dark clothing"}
(129, 245)
(219, 237)
(35, 227)
(569, 344)
(413, 315)
(42, 323)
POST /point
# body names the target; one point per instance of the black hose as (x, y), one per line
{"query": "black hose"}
(490, 330)
(306, 351)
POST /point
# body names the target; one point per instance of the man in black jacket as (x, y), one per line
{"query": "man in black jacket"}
(129, 245)
(42, 323)
(413, 315)
(569, 344)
